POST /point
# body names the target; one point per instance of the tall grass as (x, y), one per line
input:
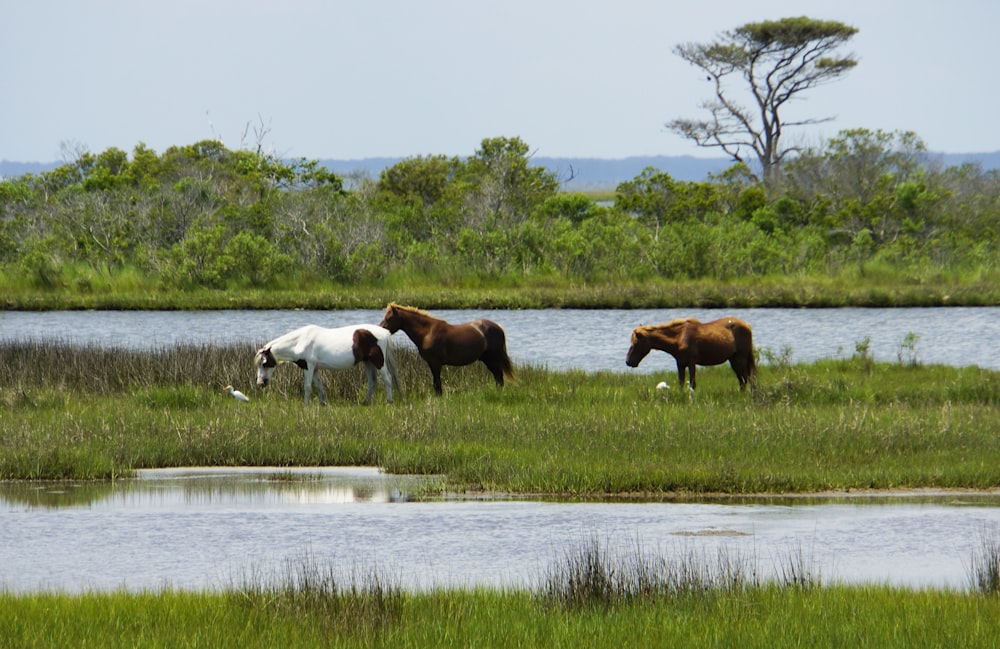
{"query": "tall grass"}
(310, 589)
(591, 574)
(82, 288)
(592, 600)
(984, 565)
(836, 425)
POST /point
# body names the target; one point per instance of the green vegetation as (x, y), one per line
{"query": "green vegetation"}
(834, 425)
(687, 604)
(865, 220)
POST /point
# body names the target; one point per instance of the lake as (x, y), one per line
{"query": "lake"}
(215, 528)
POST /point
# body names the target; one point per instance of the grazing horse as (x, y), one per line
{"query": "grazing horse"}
(693, 343)
(315, 348)
(440, 343)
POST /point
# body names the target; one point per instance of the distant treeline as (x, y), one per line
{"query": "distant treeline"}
(869, 202)
(575, 174)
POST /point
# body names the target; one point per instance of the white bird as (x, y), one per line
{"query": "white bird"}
(662, 385)
(236, 394)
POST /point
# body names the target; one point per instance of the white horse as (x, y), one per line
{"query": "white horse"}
(315, 348)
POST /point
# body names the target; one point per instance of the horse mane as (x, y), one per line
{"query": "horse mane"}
(410, 309)
(648, 329)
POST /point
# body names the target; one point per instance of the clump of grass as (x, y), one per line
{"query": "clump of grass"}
(590, 575)
(312, 590)
(798, 570)
(984, 566)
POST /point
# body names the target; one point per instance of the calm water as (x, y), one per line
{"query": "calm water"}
(188, 528)
(562, 339)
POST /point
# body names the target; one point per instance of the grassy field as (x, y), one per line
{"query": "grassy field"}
(581, 603)
(89, 413)
(83, 289)
(858, 617)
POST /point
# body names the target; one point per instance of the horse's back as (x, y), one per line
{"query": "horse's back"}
(742, 333)
(333, 348)
(734, 325)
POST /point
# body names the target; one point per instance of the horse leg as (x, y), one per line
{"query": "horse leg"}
(309, 373)
(681, 370)
(370, 371)
(691, 370)
(387, 379)
(436, 371)
(320, 388)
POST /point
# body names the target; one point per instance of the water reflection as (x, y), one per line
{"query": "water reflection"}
(197, 529)
(159, 489)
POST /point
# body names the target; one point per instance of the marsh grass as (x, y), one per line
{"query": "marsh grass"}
(132, 290)
(591, 599)
(984, 565)
(77, 413)
(591, 573)
(307, 588)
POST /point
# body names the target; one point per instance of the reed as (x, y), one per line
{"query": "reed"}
(361, 602)
(984, 564)
(590, 574)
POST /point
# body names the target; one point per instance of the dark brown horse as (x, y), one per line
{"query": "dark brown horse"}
(692, 343)
(440, 343)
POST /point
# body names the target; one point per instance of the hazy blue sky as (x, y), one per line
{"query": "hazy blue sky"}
(594, 78)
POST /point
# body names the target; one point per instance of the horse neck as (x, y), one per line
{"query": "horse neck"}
(282, 347)
(416, 325)
(667, 340)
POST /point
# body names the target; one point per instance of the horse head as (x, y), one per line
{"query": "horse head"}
(390, 320)
(365, 348)
(639, 348)
(265, 363)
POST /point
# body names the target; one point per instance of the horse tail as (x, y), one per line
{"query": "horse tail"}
(390, 363)
(750, 355)
(496, 342)
(506, 365)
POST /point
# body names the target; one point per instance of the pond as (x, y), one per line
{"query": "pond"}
(562, 339)
(217, 528)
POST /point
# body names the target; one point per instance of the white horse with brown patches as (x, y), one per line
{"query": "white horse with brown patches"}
(318, 348)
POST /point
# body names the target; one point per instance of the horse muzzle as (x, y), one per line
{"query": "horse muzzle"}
(261, 383)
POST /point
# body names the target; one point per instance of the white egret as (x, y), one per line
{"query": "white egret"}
(662, 385)
(236, 394)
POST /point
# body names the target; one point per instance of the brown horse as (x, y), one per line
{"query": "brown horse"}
(440, 343)
(692, 343)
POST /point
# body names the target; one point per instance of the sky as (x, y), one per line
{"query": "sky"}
(325, 79)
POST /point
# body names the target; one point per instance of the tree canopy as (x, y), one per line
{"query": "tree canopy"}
(777, 60)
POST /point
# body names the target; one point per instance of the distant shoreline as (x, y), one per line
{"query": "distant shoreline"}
(580, 173)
